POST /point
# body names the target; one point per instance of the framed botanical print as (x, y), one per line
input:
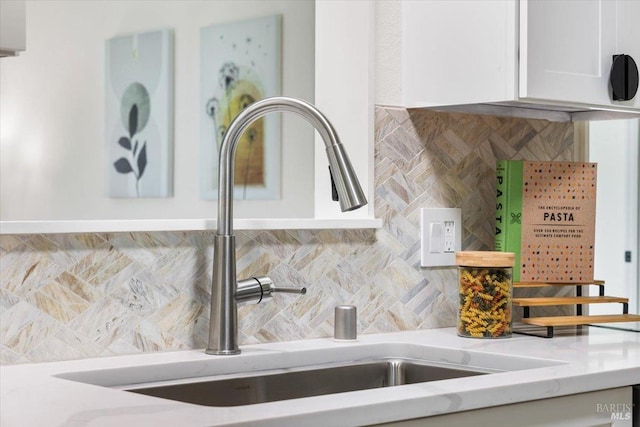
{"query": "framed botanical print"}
(240, 64)
(139, 115)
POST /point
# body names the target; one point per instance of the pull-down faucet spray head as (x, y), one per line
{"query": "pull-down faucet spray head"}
(344, 178)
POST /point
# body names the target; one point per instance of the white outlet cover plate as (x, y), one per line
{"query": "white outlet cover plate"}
(436, 249)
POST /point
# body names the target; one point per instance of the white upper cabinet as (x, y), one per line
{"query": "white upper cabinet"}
(567, 49)
(12, 27)
(553, 55)
(458, 52)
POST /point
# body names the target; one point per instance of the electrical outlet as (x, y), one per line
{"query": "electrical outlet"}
(441, 237)
(449, 236)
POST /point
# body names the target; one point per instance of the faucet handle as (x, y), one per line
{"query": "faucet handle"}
(268, 288)
(257, 289)
(289, 289)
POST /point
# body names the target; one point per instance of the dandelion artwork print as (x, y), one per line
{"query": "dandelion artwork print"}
(139, 115)
(240, 64)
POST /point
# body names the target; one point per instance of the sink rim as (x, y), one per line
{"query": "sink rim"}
(254, 360)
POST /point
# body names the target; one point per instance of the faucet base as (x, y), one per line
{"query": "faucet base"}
(222, 352)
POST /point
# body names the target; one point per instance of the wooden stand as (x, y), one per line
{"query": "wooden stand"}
(550, 322)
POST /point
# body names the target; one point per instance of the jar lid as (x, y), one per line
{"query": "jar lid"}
(485, 259)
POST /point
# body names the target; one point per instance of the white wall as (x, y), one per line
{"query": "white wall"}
(614, 146)
(52, 109)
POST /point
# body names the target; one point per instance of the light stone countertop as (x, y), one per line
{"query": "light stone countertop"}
(32, 395)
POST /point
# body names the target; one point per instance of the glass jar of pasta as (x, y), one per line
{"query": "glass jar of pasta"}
(485, 290)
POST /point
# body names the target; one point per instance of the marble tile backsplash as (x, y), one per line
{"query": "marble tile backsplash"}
(66, 296)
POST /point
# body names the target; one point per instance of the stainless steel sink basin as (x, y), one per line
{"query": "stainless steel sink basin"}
(265, 375)
(283, 384)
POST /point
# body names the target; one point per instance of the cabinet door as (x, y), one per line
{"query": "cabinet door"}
(606, 408)
(458, 52)
(566, 48)
(628, 36)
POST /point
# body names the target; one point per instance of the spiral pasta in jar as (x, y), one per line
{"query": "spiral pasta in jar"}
(485, 290)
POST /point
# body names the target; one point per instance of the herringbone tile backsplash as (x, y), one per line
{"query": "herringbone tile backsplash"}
(70, 296)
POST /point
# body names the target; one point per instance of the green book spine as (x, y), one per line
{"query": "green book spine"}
(500, 242)
(509, 210)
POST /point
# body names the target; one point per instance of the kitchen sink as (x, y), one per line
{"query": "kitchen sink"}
(283, 384)
(261, 375)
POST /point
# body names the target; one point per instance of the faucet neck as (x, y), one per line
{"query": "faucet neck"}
(232, 137)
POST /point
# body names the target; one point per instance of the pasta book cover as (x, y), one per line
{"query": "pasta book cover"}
(545, 214)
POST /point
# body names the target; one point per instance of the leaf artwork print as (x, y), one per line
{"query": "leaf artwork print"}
(136, 108)
(138, 116)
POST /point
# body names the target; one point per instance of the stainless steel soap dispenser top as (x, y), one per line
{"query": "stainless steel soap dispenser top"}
(227, 292)
(345, 325)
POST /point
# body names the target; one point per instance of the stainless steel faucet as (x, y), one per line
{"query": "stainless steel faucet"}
(226, 292)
